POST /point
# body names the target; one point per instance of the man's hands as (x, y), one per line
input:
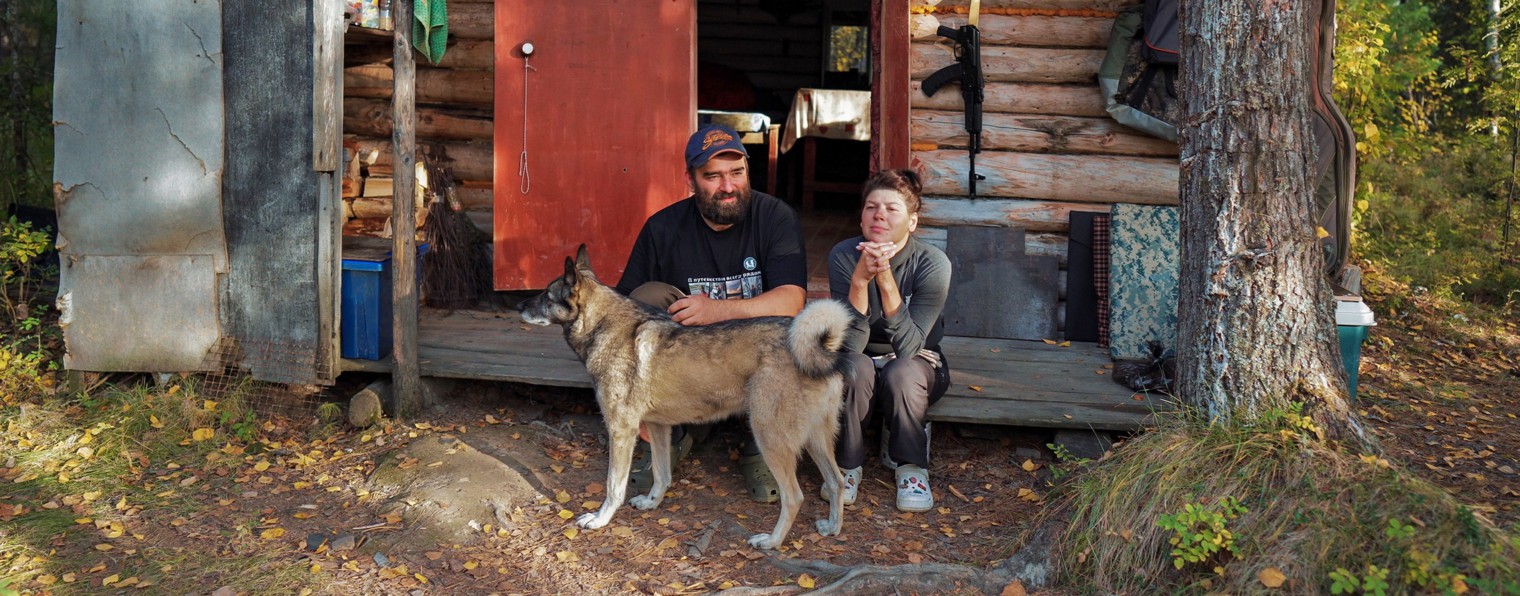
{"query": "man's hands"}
(698, 310)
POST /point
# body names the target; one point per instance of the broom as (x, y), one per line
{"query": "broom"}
(452, 268)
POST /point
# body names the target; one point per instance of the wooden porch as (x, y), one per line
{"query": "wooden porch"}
(1016, 383)
(993, 381)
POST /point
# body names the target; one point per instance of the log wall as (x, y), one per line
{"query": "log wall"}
(1048, 146)
(454, 105)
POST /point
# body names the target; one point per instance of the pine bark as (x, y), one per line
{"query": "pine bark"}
(1256, 313)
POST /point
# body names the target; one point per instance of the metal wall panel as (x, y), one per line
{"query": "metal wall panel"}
(139, 156)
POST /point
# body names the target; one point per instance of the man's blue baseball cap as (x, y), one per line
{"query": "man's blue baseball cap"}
(711, 140)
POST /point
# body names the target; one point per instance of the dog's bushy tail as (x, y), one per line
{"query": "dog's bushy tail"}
(816, 336)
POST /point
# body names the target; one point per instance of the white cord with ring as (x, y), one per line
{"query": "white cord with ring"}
(522, 163)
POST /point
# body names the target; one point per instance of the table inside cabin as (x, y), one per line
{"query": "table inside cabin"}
(825, 114)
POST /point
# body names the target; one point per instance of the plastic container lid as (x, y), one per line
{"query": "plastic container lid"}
(1353, 313)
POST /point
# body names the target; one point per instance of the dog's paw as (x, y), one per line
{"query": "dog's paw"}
(590, 521)
(827, 527)
(764, 541)
(644, 502)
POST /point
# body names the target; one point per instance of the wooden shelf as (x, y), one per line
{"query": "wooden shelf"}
(357, 33)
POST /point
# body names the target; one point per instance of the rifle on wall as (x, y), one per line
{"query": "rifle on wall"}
(968, 71)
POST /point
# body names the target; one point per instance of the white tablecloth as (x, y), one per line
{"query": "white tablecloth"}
(829, 114)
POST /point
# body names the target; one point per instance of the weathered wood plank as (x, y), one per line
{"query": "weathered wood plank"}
(1029, 133)
(1013, 64)
(1076, 32)
(327, 58)
(1075, 178)
(1019, 98)
(1032, 215)
(405, 378)
(270, 204)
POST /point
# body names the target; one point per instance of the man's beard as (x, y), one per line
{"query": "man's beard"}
(720, 213)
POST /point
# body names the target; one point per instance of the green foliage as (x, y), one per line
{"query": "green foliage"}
(1434, 222)
(20, 269)
(1343, 581)
(27, 32)
(1397, 530)
(1069, 461)
(1320, 514)
(1386, 73)
(1201, 530)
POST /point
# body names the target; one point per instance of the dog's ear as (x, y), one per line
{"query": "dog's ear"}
(569, 277)
(582, 259)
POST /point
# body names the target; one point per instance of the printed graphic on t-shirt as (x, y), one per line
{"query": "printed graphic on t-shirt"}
(745, 285)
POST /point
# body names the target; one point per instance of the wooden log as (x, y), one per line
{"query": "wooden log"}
(465, 54)
(1038, 134)
(1019, 98)
(373, 228)
(434, 85)
(485, 220)
(1071, 32)
(478, 54)
(470, 161)
(474, 20)
(371, 117)
(994, 6)
(474, 199)
(1035, 216)
(1073, 178)
(364, 207)
(1013, 64)
(405, 297)
(467, 161)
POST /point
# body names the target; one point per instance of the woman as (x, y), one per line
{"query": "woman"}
(897, 285)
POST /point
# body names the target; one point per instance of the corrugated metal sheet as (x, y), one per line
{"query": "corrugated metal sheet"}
(139, 149)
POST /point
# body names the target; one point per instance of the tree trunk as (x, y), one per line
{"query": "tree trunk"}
(1256, 314)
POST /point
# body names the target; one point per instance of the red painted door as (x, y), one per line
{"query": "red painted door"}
(611, 98)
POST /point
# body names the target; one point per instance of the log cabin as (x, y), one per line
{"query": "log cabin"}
(574, 142)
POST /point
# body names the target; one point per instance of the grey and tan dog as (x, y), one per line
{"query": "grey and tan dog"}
(781, 372)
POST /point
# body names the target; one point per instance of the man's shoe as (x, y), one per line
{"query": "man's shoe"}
(757, 476)
(851, 487)
(913, 492)
(641, 473)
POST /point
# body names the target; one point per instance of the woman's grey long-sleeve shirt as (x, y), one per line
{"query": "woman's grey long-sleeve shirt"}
(922, 272)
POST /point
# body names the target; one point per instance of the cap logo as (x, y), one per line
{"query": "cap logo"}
(715, 137)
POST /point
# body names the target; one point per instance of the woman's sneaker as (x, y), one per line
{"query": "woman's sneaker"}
(851, 487)
(913, 492)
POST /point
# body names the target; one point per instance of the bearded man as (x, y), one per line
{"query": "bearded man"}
(726, 252)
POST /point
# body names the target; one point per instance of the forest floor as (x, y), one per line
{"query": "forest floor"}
(298, 506)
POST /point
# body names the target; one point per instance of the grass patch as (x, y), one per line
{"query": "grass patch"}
(1274, 503)
(90, 483)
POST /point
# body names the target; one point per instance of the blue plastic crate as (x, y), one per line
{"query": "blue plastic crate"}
(365, 321)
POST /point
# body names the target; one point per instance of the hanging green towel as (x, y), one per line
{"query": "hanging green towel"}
(430, 32)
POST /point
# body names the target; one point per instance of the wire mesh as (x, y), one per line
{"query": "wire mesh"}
(272, 377)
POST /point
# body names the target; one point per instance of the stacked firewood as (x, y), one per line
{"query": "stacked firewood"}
(368, 194)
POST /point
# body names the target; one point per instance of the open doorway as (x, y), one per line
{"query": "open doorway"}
(753, 56)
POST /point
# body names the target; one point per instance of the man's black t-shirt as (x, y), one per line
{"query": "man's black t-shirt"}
(759, 254)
